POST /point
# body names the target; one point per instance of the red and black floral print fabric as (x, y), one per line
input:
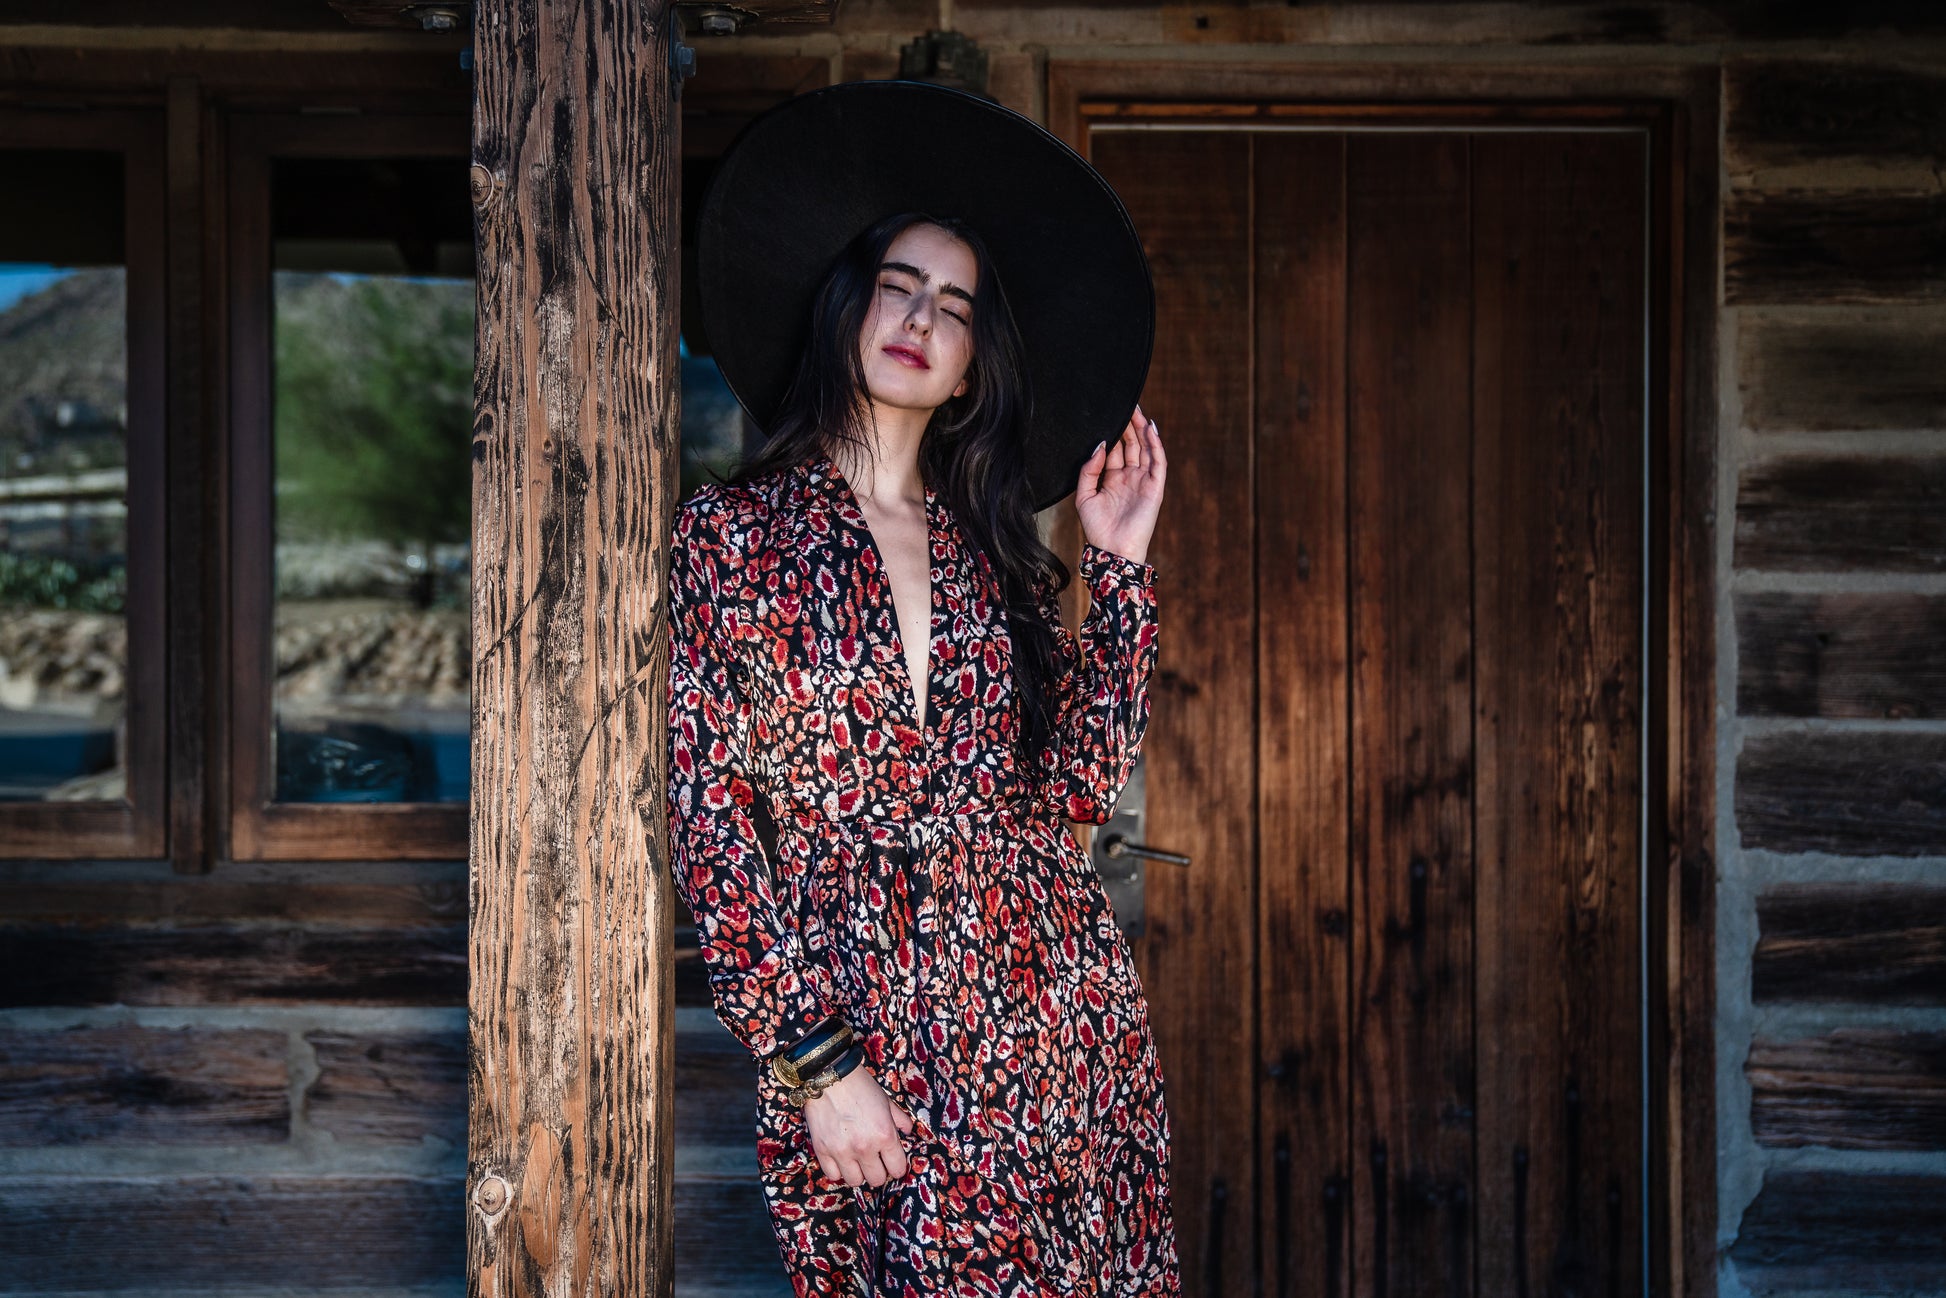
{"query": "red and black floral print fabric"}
(923, 887)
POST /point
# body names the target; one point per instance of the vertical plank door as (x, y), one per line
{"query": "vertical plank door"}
(1397, 720)
(1189, 196)
(1558, 572)
(1407, 322)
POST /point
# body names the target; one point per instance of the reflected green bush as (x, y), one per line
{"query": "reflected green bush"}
(45, 581)
(374, 409)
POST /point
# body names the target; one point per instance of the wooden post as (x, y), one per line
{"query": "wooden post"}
(575, 190)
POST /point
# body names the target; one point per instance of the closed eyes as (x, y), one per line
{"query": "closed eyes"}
(897, 288)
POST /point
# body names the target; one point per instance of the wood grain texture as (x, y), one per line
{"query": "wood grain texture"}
(229, 1232)
(1412, 868)
(1817, 513)
(1557, 568)
(1880, 794)
(576, 430)
(402, 1087)
(1862, 943)
(1189, 197)
(290, 1233)
(1846, 1232)
(1848, 370)
(1840, 656)
(1303, 678)
(1797, 121)
(1808, 247)
(410, 897)
(230, 964)
(1853, 1088)
(134, 825)
(390, 1087)
(134, 1085)
(193, 633)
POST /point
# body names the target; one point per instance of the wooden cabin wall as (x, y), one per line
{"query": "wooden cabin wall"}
(254, 1077)
(1831, 1000)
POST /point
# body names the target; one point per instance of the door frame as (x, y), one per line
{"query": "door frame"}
(1678, 104)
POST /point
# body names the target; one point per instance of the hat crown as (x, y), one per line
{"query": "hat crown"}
(805, 177)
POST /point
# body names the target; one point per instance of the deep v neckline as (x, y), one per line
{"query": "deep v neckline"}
(849, 500)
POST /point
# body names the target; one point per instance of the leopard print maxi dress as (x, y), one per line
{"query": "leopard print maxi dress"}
(923, 887)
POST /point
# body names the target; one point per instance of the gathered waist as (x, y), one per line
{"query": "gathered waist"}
(915, 812)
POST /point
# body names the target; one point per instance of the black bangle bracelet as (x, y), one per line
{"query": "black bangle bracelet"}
(823, 1059)
(850, 1059)
(816, 1042)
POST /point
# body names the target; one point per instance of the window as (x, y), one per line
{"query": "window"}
(352, 407)
(81, 555)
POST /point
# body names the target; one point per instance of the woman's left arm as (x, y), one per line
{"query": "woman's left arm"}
(1104, 711)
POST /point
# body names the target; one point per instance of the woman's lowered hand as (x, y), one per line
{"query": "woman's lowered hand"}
(855, 1128)
(1121, 489)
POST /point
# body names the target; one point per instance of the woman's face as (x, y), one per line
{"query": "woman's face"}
(917, 339)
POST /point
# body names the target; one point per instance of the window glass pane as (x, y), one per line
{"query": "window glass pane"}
(372, 426)
(372, 412)
(63, 475)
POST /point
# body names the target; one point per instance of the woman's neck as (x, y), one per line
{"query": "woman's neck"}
(891, 472)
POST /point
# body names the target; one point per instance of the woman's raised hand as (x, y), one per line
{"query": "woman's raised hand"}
(855, 1128)
(1121, 489)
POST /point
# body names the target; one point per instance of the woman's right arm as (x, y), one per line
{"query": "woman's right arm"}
(757, 970)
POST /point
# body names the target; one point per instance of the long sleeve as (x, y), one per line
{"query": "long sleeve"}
(1104, 707)
(756, 965)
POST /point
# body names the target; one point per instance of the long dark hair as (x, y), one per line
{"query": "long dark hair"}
(971, 451)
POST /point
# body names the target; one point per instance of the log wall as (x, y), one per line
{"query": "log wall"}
(192, 1067)
(1832, 1028)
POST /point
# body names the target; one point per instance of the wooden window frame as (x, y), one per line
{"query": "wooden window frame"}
(261, 828)
(136, 825)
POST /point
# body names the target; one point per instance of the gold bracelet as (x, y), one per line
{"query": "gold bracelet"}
(837, 1071)
(787, 1071)
(815, 1087)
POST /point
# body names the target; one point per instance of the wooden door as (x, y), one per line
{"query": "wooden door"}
(1397, 719)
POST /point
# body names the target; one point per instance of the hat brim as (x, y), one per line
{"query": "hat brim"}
(801, 180)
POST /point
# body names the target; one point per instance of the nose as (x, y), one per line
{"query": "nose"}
(919, 314)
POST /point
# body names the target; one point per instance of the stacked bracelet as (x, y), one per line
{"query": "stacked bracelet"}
(812, 1053)
(817, 1085)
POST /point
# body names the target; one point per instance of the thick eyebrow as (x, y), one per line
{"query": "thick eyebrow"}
(948, 290)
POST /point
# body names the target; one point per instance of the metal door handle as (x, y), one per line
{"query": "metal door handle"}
(1115, 846)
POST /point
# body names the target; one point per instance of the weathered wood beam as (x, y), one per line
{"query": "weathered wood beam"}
(1853, 1088)
(1874, 794)
(415, 14)
(1853, 370)
(88, 963)
(1816, 248)
(1819, 513)
(1816, 121)
(575, 183)
(125, 1084)
(1861, 943)
(1827, 1231)
(1859, 657)
(348, 1232)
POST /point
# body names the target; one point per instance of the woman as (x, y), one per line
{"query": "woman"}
(979, 1108)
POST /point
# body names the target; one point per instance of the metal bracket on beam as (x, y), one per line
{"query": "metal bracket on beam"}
(682, 58)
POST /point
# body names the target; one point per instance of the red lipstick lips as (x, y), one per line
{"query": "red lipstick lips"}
(909, 356)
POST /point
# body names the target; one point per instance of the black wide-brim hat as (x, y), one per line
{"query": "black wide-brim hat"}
(801, 180)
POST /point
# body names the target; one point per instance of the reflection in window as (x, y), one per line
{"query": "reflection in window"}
(373, 419)
(712, 422)
(373, 416)
(63, 476)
